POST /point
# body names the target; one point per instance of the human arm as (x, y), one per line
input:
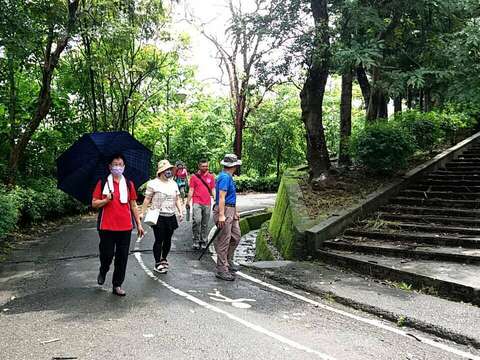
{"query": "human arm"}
(178, 204)
(98, 199)
(136, 216)
(221, 209)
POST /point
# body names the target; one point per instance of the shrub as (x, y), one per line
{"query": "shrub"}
(424, 131)
(40, 199)
(382, 147)
(260, 184)
(9, 213)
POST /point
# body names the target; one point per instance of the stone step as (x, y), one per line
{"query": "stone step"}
(470, 156)
(463, 166)
(415, 201)
(451, 188)
(396, 209)
(453, 182)
(439, 194)
(429, 219)
(466, 160)
(467, 241)
(455, 173)
(437, 176)
(448, 279)
(455, 170)
(424, 228)
(400, 249)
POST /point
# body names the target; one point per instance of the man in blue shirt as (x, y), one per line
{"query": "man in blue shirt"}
(226, 218)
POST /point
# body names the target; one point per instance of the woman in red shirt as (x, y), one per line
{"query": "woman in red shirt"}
(118, 208)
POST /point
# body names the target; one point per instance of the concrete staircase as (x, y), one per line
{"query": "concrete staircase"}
(427, 236)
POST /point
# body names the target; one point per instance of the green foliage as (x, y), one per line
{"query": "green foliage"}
(277, 118)
(424, 130)
(382, 147)
(259, 184)
(41, 200)
(9, 213)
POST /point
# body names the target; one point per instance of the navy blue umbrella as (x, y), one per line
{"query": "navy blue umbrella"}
(86, 161)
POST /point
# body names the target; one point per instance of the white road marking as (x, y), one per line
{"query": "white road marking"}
(371, 322)
(246, 323)
(240, 303)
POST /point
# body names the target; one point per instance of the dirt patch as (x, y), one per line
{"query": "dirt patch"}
(346, 187)
(342, 190)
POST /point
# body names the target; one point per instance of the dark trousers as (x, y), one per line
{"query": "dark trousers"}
(114, 243)
(163, 233)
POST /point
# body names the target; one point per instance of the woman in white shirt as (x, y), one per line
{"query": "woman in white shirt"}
(163, 194)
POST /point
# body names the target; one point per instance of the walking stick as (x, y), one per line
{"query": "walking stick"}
(215, 234)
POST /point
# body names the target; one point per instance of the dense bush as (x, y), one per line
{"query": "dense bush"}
(34, 202)
(423, 129)
(260, 184)
(9, 213)
(434, 127)
(382, 147)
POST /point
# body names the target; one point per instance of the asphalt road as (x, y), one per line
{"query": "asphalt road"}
(52, 308)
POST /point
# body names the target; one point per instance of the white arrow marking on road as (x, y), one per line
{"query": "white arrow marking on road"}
(246, 323)
(238, 303)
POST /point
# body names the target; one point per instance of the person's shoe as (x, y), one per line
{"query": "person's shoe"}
(117, 290)
(196, 246)
(225, 276)
(232, 267)
(160, 268)
(203, 245)
(100, 279)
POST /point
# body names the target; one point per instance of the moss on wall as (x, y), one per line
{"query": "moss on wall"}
(262, 250)
(290, 218)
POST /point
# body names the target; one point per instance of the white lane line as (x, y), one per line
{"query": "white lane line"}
(372, 322)
(248, 324)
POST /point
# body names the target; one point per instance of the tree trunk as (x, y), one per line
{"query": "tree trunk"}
(12, 103)
(239, 123)
(44, 100)
(91, 74)
(409, 99)
(313, 92)
(345, 119)
(397, 104)
(364, 85)
(383, 106)
(375, 97)
(427, 104)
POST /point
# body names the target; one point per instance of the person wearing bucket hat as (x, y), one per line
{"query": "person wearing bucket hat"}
(226, 218)
(162, 194)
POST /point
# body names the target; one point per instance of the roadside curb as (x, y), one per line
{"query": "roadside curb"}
(407, 321)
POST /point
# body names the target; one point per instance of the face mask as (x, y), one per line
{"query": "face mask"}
(168, 174)
(117, 170)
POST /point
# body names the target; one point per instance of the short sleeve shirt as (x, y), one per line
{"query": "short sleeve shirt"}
(201, 195)
(226, 183)
(163, 195)
(115, 216)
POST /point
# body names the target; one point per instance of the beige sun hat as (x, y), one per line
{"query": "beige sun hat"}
(163, 165)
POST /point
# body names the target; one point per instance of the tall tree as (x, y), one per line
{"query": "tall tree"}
(55, 43)
(248, 59)
(313, 91)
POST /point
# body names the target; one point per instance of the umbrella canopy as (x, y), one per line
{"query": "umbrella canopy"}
(86, 161)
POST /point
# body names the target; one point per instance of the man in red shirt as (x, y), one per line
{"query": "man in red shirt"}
(116, 198)
(201, 192)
